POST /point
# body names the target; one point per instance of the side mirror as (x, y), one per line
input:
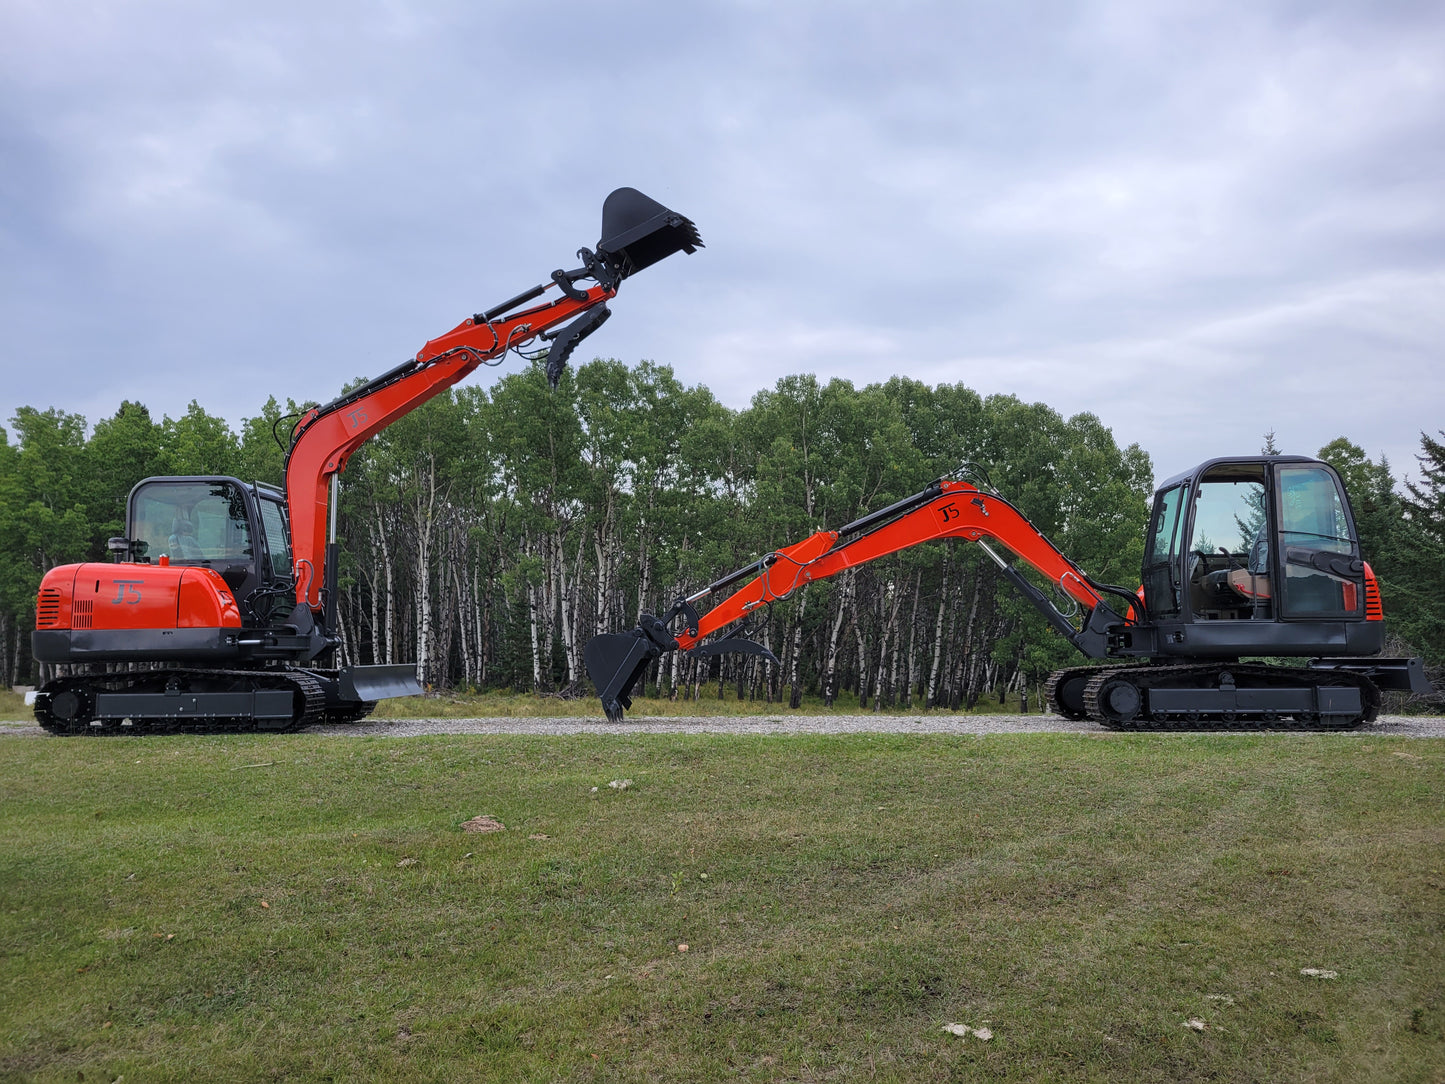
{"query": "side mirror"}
(127, 549)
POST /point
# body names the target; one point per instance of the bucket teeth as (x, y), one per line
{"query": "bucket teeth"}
(615, 663)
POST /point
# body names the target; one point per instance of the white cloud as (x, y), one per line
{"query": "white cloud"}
(1119, 207)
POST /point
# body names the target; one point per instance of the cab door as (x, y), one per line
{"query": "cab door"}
(1317, 551)
(1160, 577)
(275, 600)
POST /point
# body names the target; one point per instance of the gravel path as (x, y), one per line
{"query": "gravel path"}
(1395, 726)
(1388, 725)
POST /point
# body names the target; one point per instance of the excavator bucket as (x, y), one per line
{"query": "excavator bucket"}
(637, 231)
(615, 663)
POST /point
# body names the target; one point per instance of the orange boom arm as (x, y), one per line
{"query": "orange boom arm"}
(636, 233)
(946, 509)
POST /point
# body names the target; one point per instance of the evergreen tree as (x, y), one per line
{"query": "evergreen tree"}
(1419, 556)
(1372, 497)
(198, 443)
(122, 451)
(45, 489)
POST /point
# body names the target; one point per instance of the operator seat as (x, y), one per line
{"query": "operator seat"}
(182, 542)
(1252, 581)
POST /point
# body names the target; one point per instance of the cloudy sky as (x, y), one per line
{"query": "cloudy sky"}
(1199, 221)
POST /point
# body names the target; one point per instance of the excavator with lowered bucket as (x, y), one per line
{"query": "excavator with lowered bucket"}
(218, 611)
(1246, 559)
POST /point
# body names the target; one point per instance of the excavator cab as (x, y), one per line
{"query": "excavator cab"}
(236, 528)
(1257, 556)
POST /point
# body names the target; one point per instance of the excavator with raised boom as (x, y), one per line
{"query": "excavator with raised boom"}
(1246, 559)
(233, 624)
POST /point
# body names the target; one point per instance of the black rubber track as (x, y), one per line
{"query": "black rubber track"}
(310, 695)
(1206, 676)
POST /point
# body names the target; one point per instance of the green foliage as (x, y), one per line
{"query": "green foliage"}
(198, 443)
(491, 533)
(1418, 558)
(262, 451)
(122, 450)
(48, 489)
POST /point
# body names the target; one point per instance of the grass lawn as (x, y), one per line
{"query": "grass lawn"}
(748, 908)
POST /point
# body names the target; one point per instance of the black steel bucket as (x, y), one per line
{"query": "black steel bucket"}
(637, 231)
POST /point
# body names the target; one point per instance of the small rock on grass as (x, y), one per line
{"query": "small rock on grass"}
(963, 1031)
(1318, 973)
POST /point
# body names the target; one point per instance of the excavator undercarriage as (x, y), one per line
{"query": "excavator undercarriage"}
(1215, 696)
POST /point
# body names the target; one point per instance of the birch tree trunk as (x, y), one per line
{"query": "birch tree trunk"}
(930, 699)
(424, 519)
(795, 693)
(533, 604)
(912, 643)
(862, 661)
(481, 616)
(388, 632)
(966, 647)
(463, 624)
(830, 659)
(890, 601)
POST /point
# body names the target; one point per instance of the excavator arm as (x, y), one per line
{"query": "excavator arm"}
(636, 232)
(947, 509)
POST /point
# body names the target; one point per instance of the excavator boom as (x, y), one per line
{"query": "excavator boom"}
(947, 509)
(636, 232)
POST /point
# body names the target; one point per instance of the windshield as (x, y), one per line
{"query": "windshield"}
(1311, 512)
(1228, 515)
(192, 522)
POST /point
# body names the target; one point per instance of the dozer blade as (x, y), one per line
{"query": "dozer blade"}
(637, 231)
(366, 683)
(615, 662)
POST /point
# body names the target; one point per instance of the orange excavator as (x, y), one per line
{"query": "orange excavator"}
(218, 611)
(1246, 559)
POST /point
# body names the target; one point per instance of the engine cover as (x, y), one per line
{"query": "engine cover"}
(131, 612)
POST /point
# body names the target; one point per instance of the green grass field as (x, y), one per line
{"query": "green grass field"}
(305, 908)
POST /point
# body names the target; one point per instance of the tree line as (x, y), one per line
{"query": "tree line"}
(491, 533)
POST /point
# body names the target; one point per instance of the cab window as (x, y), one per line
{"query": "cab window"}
(1313, 522)
(273, 523)
(1161, 587)
(1311, 512)
(192, 522)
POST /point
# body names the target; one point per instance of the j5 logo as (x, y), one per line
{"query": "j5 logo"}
(127, 591)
